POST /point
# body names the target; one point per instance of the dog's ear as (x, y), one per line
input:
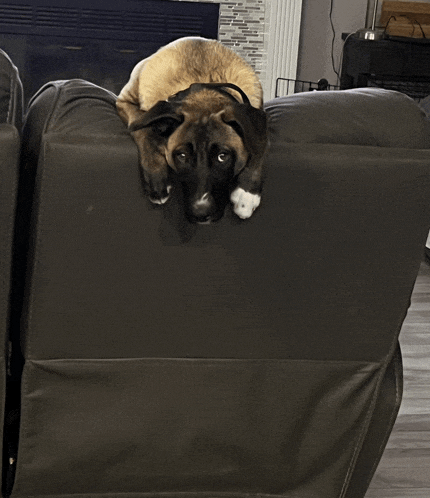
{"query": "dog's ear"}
(250, 124)
(163, 118)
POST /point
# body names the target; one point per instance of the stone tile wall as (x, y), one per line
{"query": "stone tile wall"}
(242, 27)
(265, 33)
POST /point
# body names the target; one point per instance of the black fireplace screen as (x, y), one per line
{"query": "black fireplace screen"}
(97, 40)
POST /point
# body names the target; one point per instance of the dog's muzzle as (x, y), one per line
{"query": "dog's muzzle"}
(207, 208)
(203, 209)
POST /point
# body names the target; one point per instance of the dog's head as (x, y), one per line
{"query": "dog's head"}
(208, 137)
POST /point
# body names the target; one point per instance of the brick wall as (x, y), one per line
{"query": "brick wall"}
(265, 33)
(242, 27)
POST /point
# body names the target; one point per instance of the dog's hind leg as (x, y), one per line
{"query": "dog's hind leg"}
(128, 111)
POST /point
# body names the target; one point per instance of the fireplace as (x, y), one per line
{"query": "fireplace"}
(97, 40)
(101, 40)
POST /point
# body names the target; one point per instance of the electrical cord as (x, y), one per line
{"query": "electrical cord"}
(333, 40)
(421, 28)
(412, 21)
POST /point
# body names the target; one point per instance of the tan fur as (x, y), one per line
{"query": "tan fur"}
(205, 103)
(179, 64)
(204, 117)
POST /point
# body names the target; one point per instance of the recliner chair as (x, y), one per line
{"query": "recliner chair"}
(244, 358)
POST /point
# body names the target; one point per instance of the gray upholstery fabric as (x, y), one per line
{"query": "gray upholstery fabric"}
(364, 116)
(244, 358)
(425, 106)
(10, 128)
(11, 98)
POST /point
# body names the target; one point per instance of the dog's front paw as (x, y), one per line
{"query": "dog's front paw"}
(244, 203)
(160, 196)
(158, 188)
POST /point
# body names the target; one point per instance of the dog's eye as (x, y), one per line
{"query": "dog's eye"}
(181, 157)
(222, 157)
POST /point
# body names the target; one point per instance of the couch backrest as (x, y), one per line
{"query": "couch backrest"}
(11, 97)
(335, 223)
(244, 357)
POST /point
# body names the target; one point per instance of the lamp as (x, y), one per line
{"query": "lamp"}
(371, 33)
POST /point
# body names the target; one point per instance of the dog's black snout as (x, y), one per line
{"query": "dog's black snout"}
(203, 206)
(203, 209)
(206, 207)
(203, 221)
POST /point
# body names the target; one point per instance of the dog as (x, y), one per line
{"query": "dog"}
(195, 107)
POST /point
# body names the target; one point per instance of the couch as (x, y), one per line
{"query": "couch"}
(425, 106)
(10, 128)
(157, 358)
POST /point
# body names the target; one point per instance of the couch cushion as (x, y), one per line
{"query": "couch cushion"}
(10, 92)
(363, 116)
(425, 106)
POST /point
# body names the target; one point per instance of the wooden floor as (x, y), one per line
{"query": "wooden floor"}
(404, 471)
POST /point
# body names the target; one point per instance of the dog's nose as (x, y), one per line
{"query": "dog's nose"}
(203, 209)
(203, 205)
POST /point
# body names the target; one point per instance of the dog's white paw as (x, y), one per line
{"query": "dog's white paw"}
(244, 203)
(159, 201)
(162, 200)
